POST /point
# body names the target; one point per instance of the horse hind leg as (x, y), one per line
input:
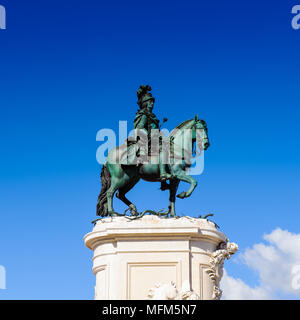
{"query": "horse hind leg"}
(116, 183)
(110, 195)
(121, 195)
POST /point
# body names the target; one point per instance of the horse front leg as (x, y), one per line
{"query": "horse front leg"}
(173, 189)
(184, 177)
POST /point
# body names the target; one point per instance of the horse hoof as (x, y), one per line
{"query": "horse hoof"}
(181, 195)
(112, 214)
(133, 211)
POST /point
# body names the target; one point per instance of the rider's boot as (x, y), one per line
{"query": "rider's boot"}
(164, 175)
(141, 157)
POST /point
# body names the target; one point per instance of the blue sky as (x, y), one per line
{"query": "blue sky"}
(71, 68)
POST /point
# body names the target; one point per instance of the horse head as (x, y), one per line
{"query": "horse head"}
(200, 133)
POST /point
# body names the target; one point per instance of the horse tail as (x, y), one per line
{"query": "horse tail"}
(101, 208)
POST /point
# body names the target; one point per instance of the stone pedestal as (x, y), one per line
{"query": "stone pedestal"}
(157, 258)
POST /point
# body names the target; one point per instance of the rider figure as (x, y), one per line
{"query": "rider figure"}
(146, 119)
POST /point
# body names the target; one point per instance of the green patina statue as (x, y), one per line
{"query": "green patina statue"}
(152, 157)
(146, 120)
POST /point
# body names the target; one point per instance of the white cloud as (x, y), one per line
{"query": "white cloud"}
(236, 289)
(276, 264)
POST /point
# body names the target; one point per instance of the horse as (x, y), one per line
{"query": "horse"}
(122, 178)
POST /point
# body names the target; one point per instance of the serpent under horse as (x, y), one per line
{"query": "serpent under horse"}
(122, 178)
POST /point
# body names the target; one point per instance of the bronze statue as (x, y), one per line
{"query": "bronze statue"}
(146, 120)
(141, 159)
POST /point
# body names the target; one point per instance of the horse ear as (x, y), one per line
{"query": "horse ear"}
(196, 117)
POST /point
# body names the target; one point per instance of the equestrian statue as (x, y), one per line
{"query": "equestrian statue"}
(151, 156)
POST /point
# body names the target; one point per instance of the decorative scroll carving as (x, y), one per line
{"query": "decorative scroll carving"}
(168, 291)
(224, 251)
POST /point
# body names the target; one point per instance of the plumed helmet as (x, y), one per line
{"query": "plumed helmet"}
(144, 95)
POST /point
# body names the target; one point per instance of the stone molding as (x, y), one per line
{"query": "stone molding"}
(157, 258)
(217, 258)
(115, 227)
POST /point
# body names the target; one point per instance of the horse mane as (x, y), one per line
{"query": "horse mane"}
(182, 124)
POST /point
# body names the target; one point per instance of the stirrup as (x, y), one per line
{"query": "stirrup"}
(165, 176)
